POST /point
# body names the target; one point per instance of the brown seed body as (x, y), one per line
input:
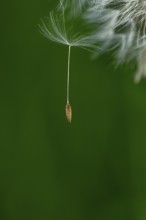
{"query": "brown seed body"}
(68, 111)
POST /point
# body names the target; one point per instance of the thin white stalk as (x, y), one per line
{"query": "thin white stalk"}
(68, 73)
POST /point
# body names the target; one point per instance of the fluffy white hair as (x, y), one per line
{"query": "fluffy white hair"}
(121, 25)
(118, 25)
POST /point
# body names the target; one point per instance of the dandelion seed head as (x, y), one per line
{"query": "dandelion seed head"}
(120, 26)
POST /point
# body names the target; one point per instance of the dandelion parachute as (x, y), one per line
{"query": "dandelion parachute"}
(60, 28)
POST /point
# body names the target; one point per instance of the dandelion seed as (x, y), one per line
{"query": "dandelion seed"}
(68, 111)
(60, 29)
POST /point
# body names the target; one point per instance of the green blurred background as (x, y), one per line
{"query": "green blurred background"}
(94, 168)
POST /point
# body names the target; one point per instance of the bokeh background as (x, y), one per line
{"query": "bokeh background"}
(94, 168)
